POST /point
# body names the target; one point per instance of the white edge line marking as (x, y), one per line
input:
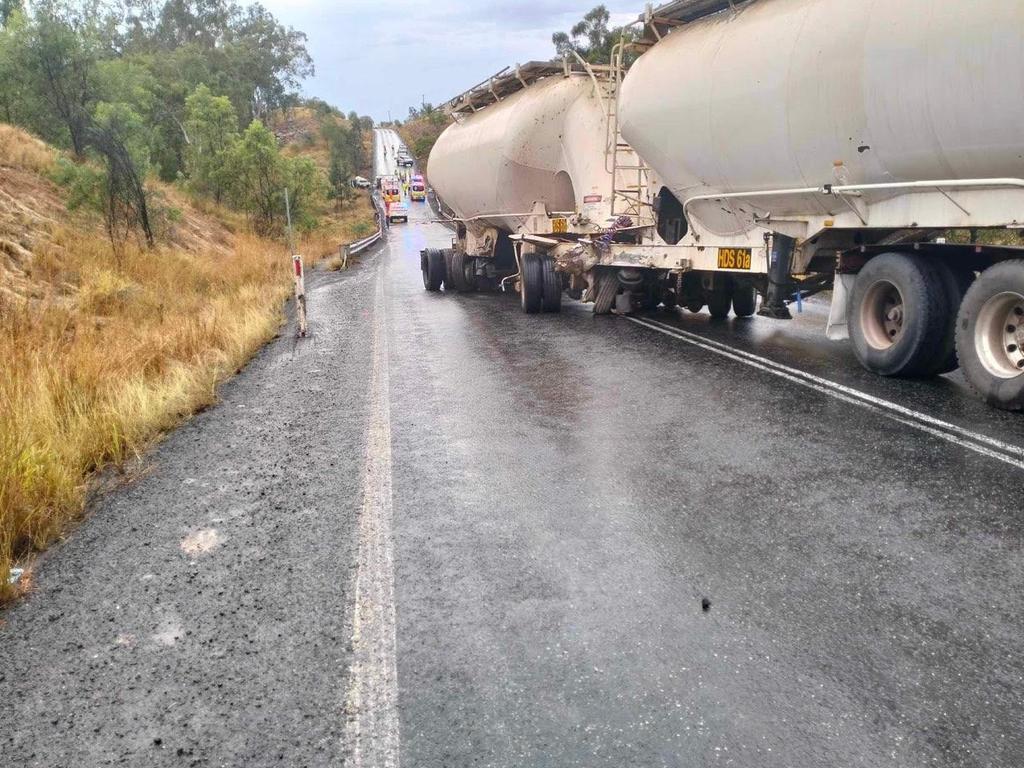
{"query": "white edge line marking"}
(906, 416)
(371, 704)
(887, 404)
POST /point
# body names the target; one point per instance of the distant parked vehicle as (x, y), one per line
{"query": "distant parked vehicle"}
(360, 182)
(391, 190)
(398, 212)
(405, 160)
(417, 191)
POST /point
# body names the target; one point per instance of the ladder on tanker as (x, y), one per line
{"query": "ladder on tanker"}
(631, 176)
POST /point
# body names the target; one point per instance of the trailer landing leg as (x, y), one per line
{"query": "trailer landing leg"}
(778, 279)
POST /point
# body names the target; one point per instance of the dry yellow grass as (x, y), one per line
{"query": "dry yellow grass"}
(100, 356)
(20, 149)
(354, 222)
(87, 381)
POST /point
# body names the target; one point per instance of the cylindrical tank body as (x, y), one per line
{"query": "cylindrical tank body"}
(545, 143)
(775, 95)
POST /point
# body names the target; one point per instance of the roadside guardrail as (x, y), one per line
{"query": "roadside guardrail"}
(351, 249)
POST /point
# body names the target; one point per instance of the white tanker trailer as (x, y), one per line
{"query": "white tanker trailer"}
(524, 157)
(800, 145)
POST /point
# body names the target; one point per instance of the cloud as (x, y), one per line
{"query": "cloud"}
(378, 57)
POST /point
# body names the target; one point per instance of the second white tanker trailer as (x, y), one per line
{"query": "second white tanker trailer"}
(525, 156)
(794, 146)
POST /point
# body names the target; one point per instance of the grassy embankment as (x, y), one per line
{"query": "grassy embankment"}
(299, 132)
(101, 355)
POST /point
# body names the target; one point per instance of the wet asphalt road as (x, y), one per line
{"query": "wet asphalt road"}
(443, 532)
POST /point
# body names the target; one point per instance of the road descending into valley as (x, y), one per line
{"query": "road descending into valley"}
(440, 532)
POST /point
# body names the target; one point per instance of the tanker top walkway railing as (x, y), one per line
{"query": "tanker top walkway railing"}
(504, 83)
(685, 11)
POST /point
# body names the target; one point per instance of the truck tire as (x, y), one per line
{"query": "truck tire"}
(451, 282)
(669, 300)
(552, 286)
(467, 268)
(744, 300)
(897, 315)
(719, 304)
(955, 282)
(531, 284)
(455, 278)
(695, 306)
(432, 265)
(990, 335)
(607, 290)
(651, 295)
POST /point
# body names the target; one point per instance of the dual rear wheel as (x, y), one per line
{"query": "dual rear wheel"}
(910, 316)
(740, 297)
(990, 335)
(901, 316)
(540, 286)
(433, 267)
(447, 268)
(460, 272)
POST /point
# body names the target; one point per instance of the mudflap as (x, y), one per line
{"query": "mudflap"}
(842, 287)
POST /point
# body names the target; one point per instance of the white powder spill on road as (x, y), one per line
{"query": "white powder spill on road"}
(372, 700)
(169, 633)
(200, 542)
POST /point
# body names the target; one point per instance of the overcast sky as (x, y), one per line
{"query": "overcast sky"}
(374, 56)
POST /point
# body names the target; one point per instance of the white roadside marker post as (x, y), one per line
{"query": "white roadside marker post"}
(300, 293)
(298, 271)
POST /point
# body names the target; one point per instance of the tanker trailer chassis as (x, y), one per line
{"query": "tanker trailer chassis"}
(630, 276)
(910, 303)
(486, 258)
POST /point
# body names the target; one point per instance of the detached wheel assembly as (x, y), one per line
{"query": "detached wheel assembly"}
(898, 315)
(607, 290)
(531, 283)
(432, 264)
(990, 335)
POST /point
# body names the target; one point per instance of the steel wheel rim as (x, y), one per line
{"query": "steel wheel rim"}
(882, 314)
(999, 335)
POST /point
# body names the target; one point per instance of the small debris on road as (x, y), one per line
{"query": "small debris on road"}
(200, 542)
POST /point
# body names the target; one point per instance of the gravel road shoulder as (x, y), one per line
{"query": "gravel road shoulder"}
(165, 629)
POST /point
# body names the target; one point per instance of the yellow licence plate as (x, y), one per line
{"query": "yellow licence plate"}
(734, 258)
(559, 226)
